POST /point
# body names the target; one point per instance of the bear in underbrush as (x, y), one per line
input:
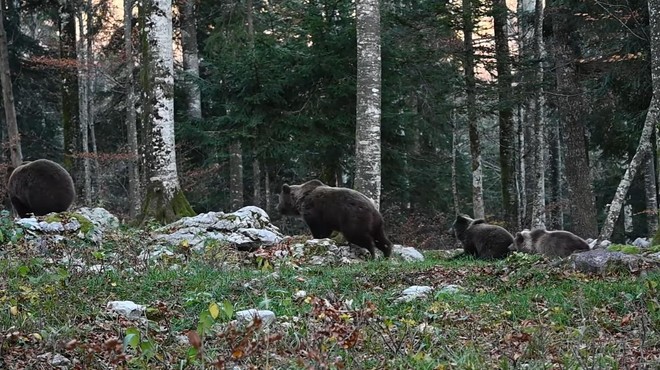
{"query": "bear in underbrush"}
(40, 187)
(549, 243)
(326, 209)
(480, 239)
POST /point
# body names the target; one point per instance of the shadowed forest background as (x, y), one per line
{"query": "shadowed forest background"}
(276, 102)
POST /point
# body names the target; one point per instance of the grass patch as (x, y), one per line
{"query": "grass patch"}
(506, 314)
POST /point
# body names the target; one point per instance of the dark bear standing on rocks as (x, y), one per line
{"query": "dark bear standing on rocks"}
(481, 239)
(40, 187)
(549, 243)
(326, 209)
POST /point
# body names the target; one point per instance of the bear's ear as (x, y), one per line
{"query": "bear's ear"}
(519, 238)
(478, 221)
(286, 189)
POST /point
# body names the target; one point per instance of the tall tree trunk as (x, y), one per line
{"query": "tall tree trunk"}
(538, 104)
(454, 154)
(471, 105)
(8, 98)
(571, 103)
(507, 126)
(191, 58)
(267, 204)
(523, 168)
(525, 18)
(256, 181)
(134, 199)
(554, 174)
(91, 85)
(651, 191)
(235, 176)
(367, 135)
(84, 104)
(165, 201)
(644, 147)
(69, 97)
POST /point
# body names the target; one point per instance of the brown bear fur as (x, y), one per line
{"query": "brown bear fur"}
(549, 243)
(480, 239)
(326, 209)
(40, 187)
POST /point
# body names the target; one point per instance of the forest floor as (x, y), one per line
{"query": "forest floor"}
(522, 312)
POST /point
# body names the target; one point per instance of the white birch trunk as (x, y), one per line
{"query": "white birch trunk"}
(163, 164)
(83, 106)
(134, 199)
(650, 190)
(367, 146)
(235, 175)
(538, 103)
(191, 59)
(644, 146)
(165, 200)
(627, 219)
(522, 166)
(8, 98)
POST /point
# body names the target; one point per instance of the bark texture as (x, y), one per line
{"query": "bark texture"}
(164, 200)
(69, 92)
(555, 206)
(471, 101)
(256, 183)
(83, 106)
(651, 191)
(538, 114)
(506, 123)
(16, 154)
(367, 145)
(454, 155)
(134, 198)
(236, 176)
(571, 111)
(191, 58)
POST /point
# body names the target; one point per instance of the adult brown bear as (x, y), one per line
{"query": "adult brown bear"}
(326, 209)
(480, 239)
(549, 243)
(40, 187)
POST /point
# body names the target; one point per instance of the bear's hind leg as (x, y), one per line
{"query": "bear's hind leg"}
(21, 208)
(365, 241)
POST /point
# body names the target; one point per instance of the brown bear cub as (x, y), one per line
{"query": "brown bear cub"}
(40, 187)
(480, 239)
(549, 243)
(326, 209)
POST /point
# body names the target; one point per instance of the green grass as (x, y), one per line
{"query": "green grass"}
(509, 313)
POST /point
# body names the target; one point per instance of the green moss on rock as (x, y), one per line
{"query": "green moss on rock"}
(85, 224)
(624, 248)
